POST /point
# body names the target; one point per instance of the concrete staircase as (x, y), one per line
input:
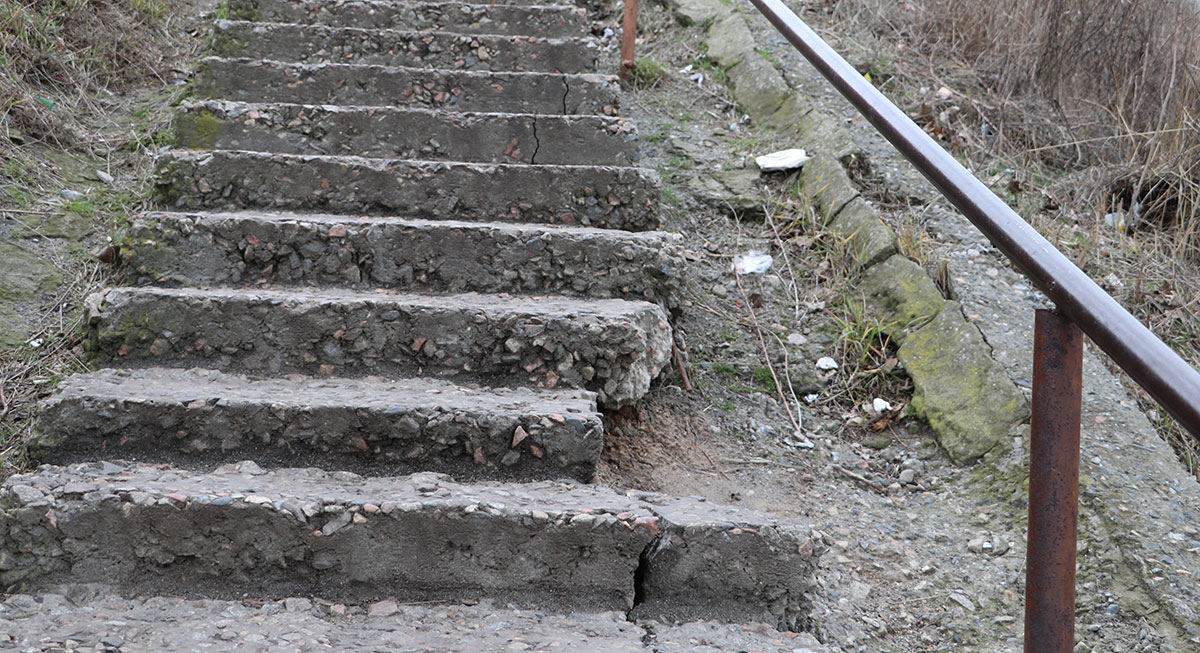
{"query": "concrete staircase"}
(404, 243)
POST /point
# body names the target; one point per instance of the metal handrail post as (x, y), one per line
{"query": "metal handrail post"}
(628, 37)
(1053, 484)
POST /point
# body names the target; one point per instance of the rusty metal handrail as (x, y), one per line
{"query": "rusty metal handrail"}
(1149, 361)
(1058, 344)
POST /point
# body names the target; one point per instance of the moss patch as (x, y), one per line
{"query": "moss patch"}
(197, 131)
(23, 276)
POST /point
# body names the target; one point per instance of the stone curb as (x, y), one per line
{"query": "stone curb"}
(961, 390)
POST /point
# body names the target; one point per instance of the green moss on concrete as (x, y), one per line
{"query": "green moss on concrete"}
(197, 131)
(824, 180)
(729, 40)
(870, 240)
(966, 397)
(23, 276)
(900, 291)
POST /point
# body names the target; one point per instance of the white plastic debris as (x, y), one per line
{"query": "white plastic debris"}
(812, 397)
(753, 262)
(782, 160)
(881, 405)
(826, 363)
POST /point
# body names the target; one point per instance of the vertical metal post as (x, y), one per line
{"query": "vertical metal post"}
(1053, 484)
(628, 35)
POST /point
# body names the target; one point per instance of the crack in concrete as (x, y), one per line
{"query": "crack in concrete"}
(537, 144)
(566, 93)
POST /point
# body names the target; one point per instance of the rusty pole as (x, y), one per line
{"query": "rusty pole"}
(1053, 484)
(628, 35)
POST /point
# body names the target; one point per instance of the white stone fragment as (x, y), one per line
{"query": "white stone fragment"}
(782, 160)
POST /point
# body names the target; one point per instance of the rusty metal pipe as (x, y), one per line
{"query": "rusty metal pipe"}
(1151, 363)
(1053, 484)
(628, 36)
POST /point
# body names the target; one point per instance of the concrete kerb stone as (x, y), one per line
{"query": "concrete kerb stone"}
(871, 241)
(825, 180)
(960, 389)
(962, 392)
(697, 12)
(901, 293)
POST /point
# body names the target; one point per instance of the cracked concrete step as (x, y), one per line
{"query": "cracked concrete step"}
(406, 133)
(446, 50)
(460, 17)
(238, 532)
(610, 346)
(370, 425)
(597, 196)
(248, 248)
(85, 618)
(251, 80)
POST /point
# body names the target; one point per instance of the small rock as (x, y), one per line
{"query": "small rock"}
(908, 476)
(105, 177)
(719, 290)
(297, 604)
(826, 363)
(796, 339)
(72, 195)
(385, 608)
(976, 545)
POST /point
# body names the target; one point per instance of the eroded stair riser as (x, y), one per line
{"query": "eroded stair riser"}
(249, 80)
(389, 47)
(423, 134)
(373, 426)
(239, 532)
(612, 347)
(464, 18)
(180, 249)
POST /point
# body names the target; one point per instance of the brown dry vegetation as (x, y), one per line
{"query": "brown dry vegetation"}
(84, 87)
(1084, 114)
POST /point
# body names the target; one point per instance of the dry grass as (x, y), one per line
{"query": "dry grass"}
(84, 86)
(1073, 110)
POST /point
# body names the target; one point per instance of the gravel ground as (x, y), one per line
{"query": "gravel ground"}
(933, 559)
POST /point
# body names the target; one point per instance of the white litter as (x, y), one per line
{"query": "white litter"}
(826, 363)
(782, 160)
(753, 262)
(881, 405)
(812, 397)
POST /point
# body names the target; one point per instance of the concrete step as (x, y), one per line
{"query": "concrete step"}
(389, 47)
(464, 18)
(241, 533)
(87, 618)
(251, 80)
(247, 248)
(597, 196)
(406, 133)
(610, 346)
(373, 425)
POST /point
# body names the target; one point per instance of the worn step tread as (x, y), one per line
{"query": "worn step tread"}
(371, 425)
(465, 18)
(257, 248)
(86, 618)
(253, 80)
(421, 49)
(600, 196)
(241, 532)
(406, 133)
(611, 346)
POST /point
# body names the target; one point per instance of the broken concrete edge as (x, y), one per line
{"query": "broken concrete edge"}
(961, 391)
